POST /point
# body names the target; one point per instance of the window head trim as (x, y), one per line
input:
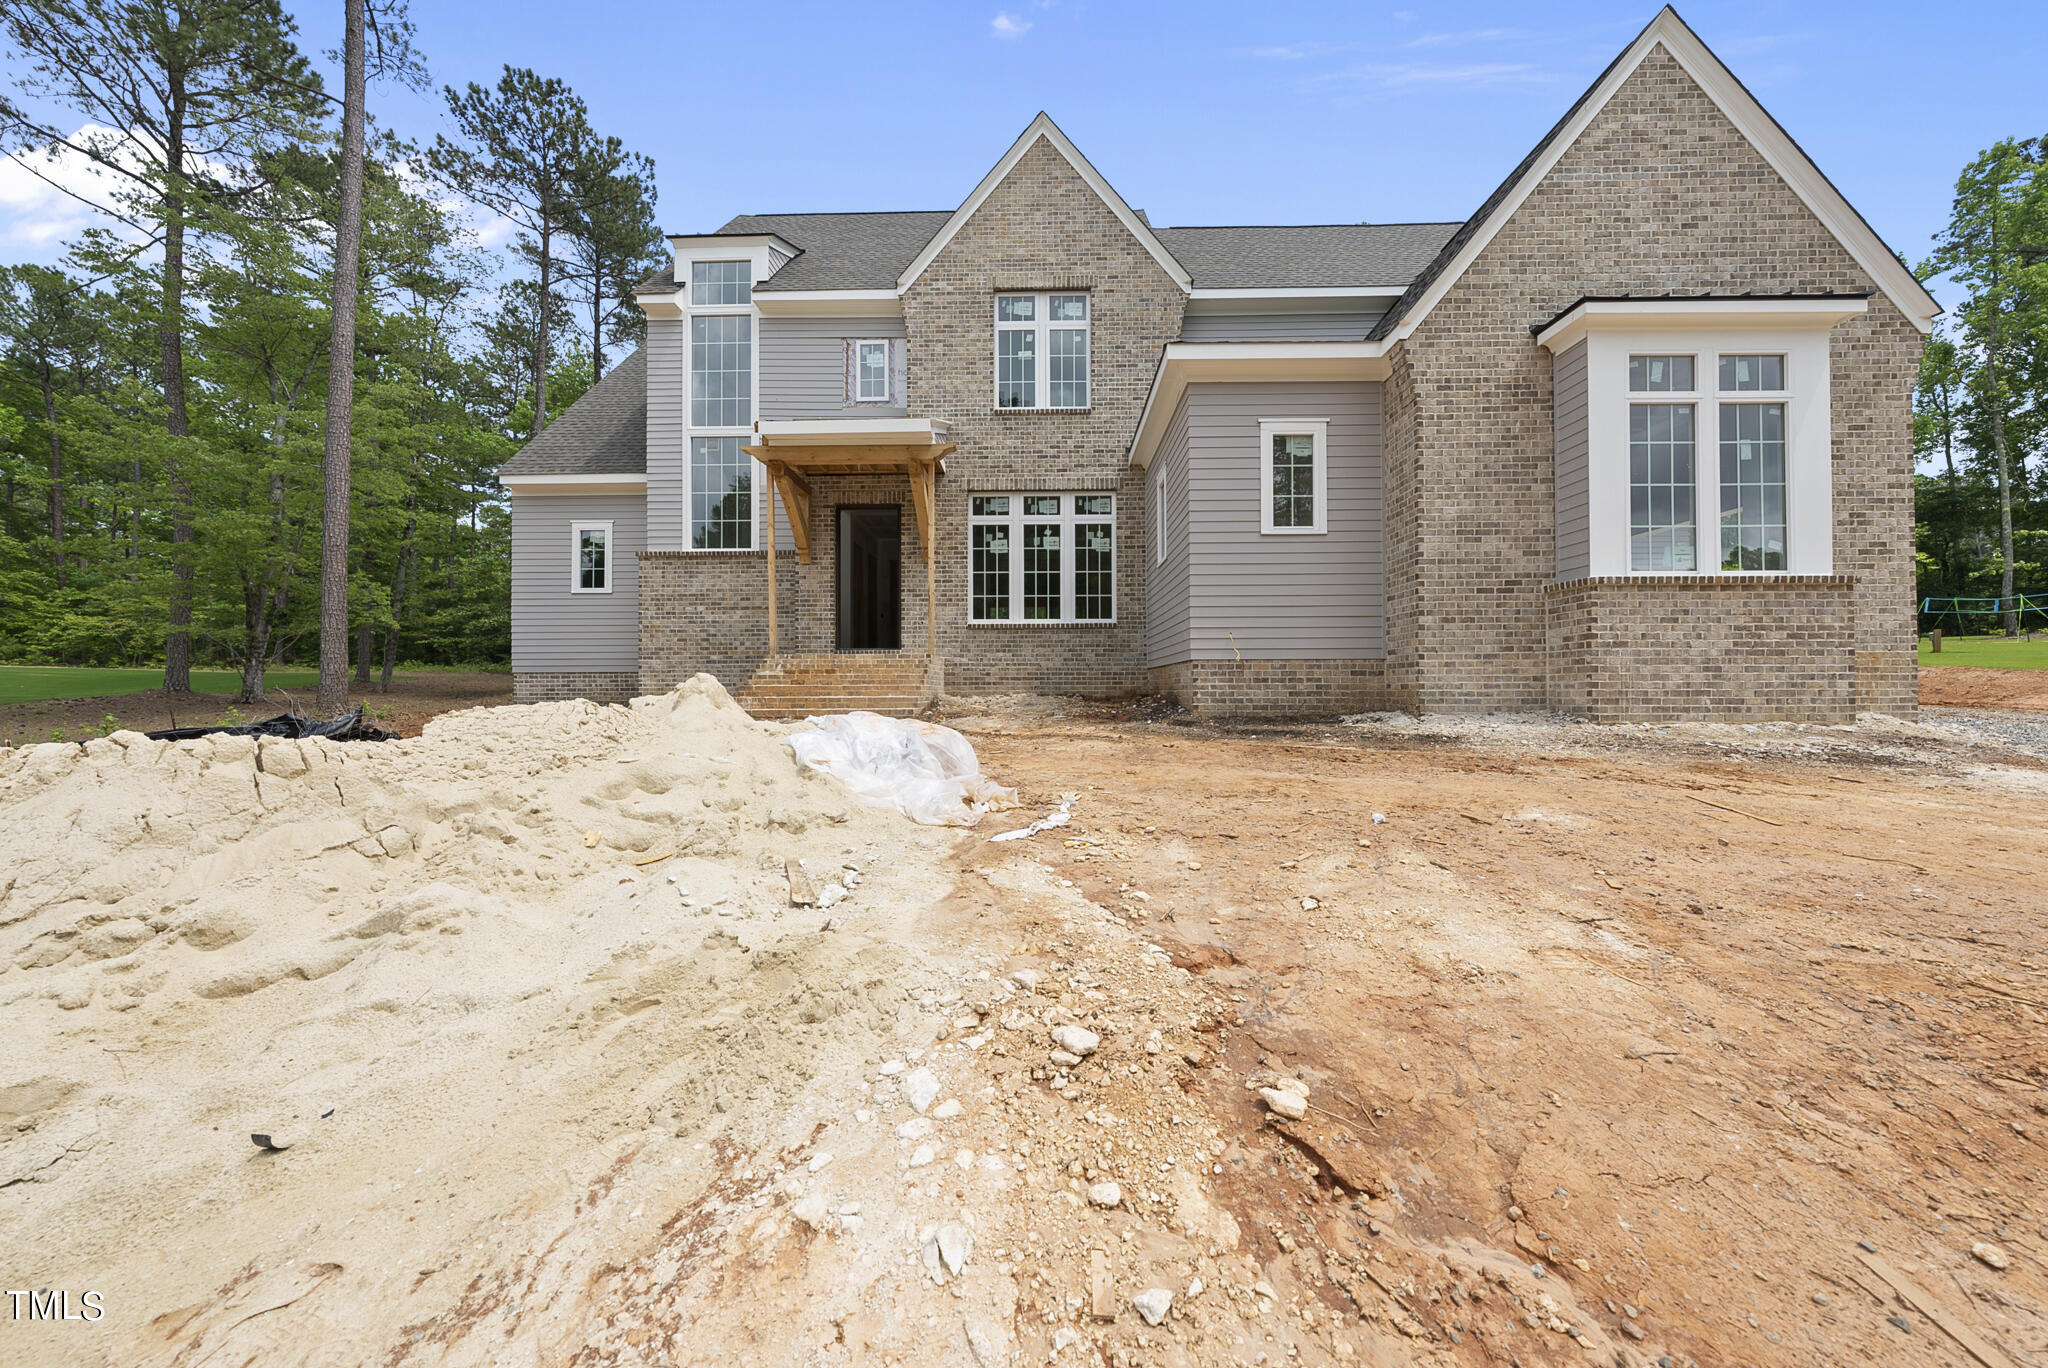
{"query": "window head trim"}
(1318, 430)
(576, 531)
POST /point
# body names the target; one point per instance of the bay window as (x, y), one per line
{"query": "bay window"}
(1668, 483)
(1042, 557)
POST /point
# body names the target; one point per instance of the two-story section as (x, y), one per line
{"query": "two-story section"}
(1633, 441)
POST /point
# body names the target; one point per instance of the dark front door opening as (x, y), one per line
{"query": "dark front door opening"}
(870, 578)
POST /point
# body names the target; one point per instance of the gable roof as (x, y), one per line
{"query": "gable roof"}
(603, 433)
(1750, 118)
(1298, 256)
(1044, 127)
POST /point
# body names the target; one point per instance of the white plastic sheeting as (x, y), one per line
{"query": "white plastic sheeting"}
(925, 771)
(1059, 817)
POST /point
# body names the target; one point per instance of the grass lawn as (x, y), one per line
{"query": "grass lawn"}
(1989, 652)
(32, 683)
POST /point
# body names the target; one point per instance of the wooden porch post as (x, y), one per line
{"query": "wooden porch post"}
(924, 501)
(774, 476)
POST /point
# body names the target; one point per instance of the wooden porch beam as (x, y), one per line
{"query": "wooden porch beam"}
(796, 504)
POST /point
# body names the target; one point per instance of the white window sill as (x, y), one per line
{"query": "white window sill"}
(1294, 531)
(1041, 623)
(1002, 410)
(589, 591)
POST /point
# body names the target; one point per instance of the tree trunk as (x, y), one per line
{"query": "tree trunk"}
(2012, 617)
(341, 377)
(171, 337)
(596, 324)
(540, 333)
(56, 478)
(365, 636)
(405, 558)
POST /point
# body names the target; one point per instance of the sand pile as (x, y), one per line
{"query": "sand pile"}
(447, 972)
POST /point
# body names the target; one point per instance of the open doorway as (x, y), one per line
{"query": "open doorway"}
(870, 578)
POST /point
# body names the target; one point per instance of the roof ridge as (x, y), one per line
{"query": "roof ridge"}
(1408, 223)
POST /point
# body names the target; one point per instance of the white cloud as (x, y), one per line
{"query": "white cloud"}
(37, 215)
(1468, 75)
(1492, 35)
(1008, 25)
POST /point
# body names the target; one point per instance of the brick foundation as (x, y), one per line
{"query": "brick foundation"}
(1280, 688)
(1703, 648)
(599, 686)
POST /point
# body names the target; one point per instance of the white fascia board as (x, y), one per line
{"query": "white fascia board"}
(1302, 292)
(1044, 127)
(1628, 315)
(1190, 363)
(829, 303)
(799, 432)
(1755, 124)
(683, 242)
(572, 484)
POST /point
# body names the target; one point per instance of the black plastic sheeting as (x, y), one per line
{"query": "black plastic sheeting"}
(348, 727)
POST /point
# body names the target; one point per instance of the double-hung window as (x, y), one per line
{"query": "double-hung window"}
(721, 328)
(1669, 483)
(1042, 351)
(590, 553)
(1042, 557)
(1294, 473)
(871, 380)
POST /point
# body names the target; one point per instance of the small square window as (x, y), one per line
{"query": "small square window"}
(1765, 373)
(1660, 374)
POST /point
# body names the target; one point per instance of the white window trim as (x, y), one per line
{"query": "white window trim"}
(887, 396)
(1317, 429)
(1067, 518)
(576, 531)
(1809, 444)
(686, 261)
(1043, 325)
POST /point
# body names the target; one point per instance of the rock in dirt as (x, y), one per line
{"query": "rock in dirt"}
(1076, 1040)
(1153, 1304)
(1105, 1194)
(1285, 1102)
(1991, 1256)
(955, 1243)
(277, 1138)
(920, 1089)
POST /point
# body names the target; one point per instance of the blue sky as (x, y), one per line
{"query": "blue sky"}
(1199, 112)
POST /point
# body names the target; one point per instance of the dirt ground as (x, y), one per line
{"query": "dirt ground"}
(414, 698)
(1694, 1045)
(1963, 687)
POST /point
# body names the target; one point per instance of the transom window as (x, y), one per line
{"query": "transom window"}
(590, 564)
(871, 372)
(1294, 472)
(1668, 483)
(1042, 557)
(717, 283)
(1042, 351)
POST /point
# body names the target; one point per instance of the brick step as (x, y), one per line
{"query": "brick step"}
(798, 686)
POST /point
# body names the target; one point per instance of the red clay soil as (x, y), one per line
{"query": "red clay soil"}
(1950, 686)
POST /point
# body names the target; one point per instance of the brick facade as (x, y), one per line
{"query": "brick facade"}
(1042, 228)
(599, 686)
(1660, 194)
(1658, 648)
(1277, 688)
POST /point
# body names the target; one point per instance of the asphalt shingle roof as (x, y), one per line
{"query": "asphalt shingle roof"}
(845, 251)
(1289, 256)
(603, 433)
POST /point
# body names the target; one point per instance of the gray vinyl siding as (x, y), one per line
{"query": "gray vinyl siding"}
(668, 504)
(803, 366)
(1568, 391)
(1278, 327)
(1285, 597)
(553, 629)
(1166, 581)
